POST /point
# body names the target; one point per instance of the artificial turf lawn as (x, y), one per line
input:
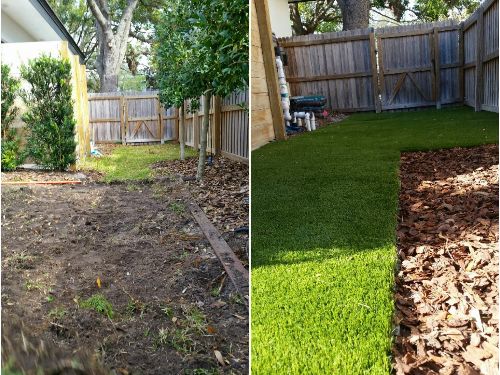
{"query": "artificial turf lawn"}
(324, 218)
(129, 163)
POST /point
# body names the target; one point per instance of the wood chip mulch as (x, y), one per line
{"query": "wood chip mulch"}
(222, 194)
(447, 285)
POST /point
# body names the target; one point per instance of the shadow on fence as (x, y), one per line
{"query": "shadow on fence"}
(410, 66)
(139, 117)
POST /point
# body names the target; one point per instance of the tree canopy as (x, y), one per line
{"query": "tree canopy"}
(329, 15)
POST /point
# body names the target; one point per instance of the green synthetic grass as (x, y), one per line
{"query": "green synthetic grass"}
(129, 163)
(324, 217)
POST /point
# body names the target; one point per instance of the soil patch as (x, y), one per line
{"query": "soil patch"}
(222, 194)
(447, 284)
(69, 250)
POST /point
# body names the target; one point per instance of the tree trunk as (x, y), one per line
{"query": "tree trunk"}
(204, 135)
(109, 83)
(355, 13)
(182, 141)
(112, 46)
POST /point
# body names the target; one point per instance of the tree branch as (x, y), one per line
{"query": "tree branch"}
(97, 13)
(140, 37)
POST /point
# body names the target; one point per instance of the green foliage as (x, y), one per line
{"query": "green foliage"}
(10, 87)
(174, 57)
(325, 16)
(78, 19)
(130, 82)
(433, 10)
(12, 156)
(323, 253)
(315, 16)
(11, 149)
(49, 117)
(201, 45)
(98, 303)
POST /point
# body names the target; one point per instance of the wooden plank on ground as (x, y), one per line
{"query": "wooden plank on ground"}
(237, 273)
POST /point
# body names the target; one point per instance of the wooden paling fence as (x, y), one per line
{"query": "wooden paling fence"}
(480, 64)
(400, 67)
(134, 118)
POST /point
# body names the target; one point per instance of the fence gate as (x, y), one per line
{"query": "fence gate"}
(419, 65)
(142, 119)
(406, 68)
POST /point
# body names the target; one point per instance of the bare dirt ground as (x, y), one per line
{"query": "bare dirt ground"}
(223, 195)
(172, 311)
(447, 285)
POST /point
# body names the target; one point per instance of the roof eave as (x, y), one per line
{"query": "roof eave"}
(46, 11)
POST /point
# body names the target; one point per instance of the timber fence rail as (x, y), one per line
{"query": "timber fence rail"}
(139, 117)
(430, 64)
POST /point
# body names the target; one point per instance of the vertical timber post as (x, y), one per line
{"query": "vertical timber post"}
(217, 126)
(461, 71)
(373, 63)
(479, 60)
(160, 122)
(266, 39)
(437, 67)
(122, 120)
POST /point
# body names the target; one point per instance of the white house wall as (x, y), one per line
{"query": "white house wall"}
(279, 14)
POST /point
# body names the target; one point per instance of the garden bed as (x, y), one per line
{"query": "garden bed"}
(222, 194)
(172, 309)
(447, 285)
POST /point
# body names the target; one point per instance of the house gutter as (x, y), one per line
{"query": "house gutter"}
(46, 11)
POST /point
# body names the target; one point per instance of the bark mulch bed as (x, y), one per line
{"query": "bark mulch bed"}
(222, 194)
(173, 311)
(447, 284)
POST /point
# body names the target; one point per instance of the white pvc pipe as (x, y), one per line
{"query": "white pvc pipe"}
(285, 98)
(308, 122)
(313, 121)
(307, 119)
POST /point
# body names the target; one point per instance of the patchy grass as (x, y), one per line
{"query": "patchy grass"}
(324, 217)
(129, 163)
(177, 207)
(98, 303)
(57, 313)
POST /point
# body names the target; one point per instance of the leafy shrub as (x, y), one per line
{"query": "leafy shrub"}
(10, 87)
(49, 118)
(11, 150)
(12, 156)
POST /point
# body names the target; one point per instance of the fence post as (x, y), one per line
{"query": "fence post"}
(160, 122)
(437, 68)
(123, 120)
(217, 126)
(461, 71)
(266, 40)
(196, 127)
(373, 63)
(479, 60)
(177, 117)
